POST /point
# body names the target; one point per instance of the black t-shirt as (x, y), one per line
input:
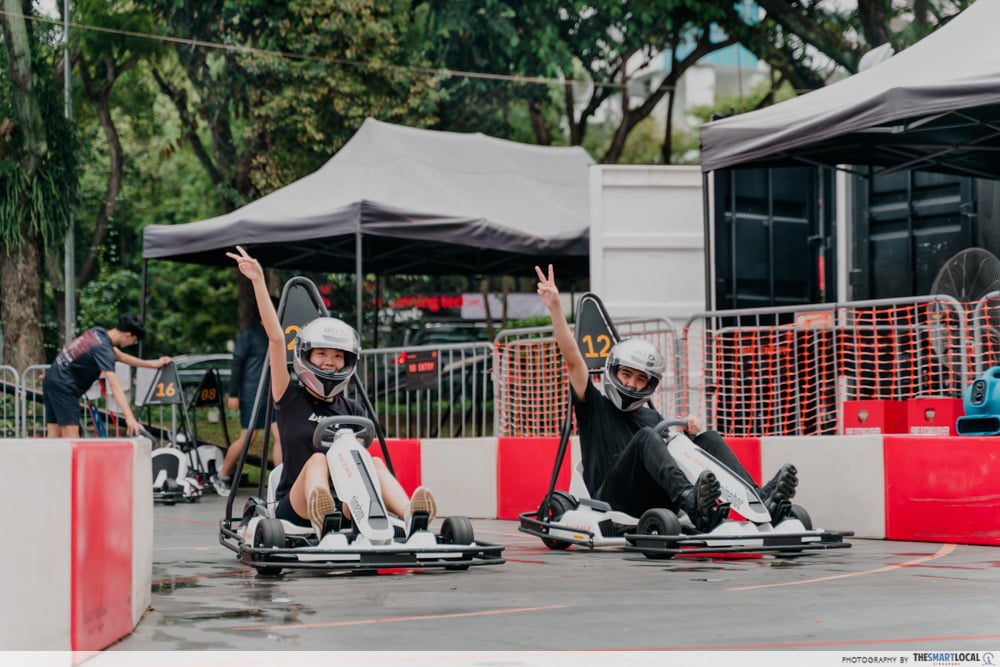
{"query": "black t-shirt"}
(605, 431)
(81, 362)
(297, 413)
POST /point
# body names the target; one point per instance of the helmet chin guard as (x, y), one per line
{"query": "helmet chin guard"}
(641, 356)
(329, 333)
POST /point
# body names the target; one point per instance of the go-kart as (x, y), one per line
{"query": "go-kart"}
(370, 539)
(573, 518)
(173, 478)
(565, 519)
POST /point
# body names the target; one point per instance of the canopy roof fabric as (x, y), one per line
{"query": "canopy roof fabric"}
(934, 106)
(420, 201)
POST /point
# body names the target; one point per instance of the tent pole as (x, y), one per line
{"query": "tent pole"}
(142, 299)
(358, 277)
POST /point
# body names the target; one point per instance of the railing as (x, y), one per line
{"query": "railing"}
(11, 403)
(431, 391)
(787, 371)
(774, 371)
(532, 390)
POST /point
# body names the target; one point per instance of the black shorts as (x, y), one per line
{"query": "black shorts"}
(61, 408)
(246, 409)
(285, 511)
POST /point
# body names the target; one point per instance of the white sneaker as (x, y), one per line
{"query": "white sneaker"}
(221, 485)
(422, 503)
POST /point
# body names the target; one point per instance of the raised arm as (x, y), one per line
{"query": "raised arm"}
(576, 367)
(250, 268)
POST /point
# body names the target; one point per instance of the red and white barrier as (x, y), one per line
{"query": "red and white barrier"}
(79, 539)
(79, 553)
(918, 488)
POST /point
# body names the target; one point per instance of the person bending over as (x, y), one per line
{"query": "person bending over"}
(90, 356)
(325, 356)
(625, 461)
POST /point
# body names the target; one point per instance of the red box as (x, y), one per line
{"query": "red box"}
(867, 417)
(933, 416)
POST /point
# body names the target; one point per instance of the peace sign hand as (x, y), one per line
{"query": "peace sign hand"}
(547, 290)
(248, 266)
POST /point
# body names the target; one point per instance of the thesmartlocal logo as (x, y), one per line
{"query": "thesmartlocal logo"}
(966, 658)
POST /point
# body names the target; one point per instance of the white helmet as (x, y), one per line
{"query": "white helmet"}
(330, 333)
(643, 357)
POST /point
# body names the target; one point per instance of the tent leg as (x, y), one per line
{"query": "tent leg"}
(358, 279)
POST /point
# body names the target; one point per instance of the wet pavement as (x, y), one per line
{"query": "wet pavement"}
(875, 596)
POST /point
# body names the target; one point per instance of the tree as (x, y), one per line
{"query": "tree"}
(611, 45)
(37, 180)
(292, 83)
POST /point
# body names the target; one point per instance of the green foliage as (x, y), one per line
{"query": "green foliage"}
(49, 192)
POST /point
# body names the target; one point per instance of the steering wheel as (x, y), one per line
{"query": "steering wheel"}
(668, 424)
(327, 428)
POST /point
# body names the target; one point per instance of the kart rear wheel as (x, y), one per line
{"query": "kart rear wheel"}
(457, 530)
(269, 533)
(560, 503)
(658, 521)
(799, 512)
(171, 491)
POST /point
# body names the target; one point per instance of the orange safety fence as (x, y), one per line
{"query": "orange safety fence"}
(777, 371)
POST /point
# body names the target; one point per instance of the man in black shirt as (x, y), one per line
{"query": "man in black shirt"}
(625, 461)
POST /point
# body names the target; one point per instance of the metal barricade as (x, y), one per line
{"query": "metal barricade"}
(431, 391)
(787, 371)
(10, 403)
(32, 411)
(532, 389)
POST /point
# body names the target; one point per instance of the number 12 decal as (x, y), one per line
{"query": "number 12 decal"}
(603, 341)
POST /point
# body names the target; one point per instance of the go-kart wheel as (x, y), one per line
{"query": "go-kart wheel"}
(171, 490)
(560, 503)
(327, 428)
(457, 530)
(658, 521)
(269, 533)
(799, 512)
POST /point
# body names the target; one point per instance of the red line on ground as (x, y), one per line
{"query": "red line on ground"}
(398, 619)
(943, 551)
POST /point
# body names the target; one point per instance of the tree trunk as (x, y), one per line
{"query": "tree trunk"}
(21, 303)
(20, 263)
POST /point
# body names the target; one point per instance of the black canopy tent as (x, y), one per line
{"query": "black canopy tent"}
(398, 200)
(934, 106)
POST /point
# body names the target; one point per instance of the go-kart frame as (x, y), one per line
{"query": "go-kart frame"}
(270, 545)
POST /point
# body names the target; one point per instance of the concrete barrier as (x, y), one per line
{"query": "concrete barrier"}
(81, 580)
(841, 479)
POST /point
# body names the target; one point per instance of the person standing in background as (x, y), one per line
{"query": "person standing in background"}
(249, 357)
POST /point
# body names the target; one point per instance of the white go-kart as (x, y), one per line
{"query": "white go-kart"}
(574, 519)
(370, 540)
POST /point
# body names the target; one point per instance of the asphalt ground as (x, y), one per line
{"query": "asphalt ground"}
(877, 596)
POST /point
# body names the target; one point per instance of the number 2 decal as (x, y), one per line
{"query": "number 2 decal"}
(292, 329)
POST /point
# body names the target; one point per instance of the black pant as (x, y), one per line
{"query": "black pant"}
(645, 475)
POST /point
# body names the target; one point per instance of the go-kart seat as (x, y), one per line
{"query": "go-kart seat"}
(272, 488)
